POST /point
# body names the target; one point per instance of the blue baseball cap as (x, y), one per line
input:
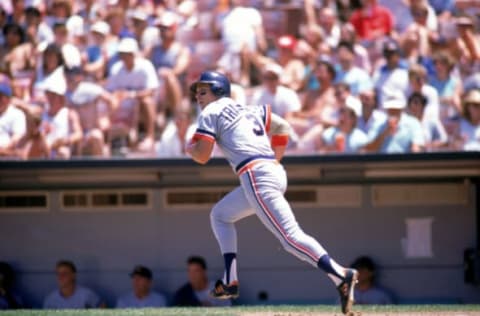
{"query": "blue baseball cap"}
(5, 89)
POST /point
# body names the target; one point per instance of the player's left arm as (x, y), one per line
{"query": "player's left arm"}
(279, 131)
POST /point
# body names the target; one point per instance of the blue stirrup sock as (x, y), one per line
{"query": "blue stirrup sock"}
(230, 267)
(333, 269)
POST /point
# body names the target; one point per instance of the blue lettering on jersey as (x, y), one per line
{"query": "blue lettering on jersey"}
(231, 111)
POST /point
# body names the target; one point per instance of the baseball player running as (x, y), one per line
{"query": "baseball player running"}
(241, 132)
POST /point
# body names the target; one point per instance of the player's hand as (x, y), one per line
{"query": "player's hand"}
(189, 147)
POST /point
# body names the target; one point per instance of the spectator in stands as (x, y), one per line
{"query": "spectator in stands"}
(317, 104)
(147, 36)
(59, 10)
(12, 122)
(90, 10)
(196, 291)
(371, 116)
(293, 67)
(347, 72)
(71, 53)
(345, 137)
(49, 59)
(392, 74)
(362, 58)
(93, 105)
(469, 131)
(133, 79)
(372, 21)
(17, 15)
(33, 145)
(17, 59)
(447, 85)
(416, 39)
(96, 51)
(311, 46)
(400, 132)
(177, 133)
(142, 294)
(171, 60)
(37, 31)
(241, 43)
(367, 290)
(330, 25)
(8, 298)
(115, 17)
(60, 125)
(417, 76)
(330, 117)
(466, 47)
(283, 100)
(69, 294)
(434, 132)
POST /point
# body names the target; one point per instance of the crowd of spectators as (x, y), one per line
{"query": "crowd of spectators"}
(110, 78)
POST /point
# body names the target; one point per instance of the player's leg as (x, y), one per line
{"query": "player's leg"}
(264, 188)
(231, 208)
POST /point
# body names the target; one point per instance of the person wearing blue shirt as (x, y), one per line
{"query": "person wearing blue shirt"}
(400, 132)
(347, 72)
(435, 134)
(345, 137)
(69, 294)
(368, 292)
(141, 295)
(393, 75)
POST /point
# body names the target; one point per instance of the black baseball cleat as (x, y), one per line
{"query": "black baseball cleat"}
(345, 289)
(224, 292)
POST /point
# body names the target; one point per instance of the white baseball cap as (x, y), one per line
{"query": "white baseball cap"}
(128, 45)
(138, 15)
(354, 104)
(395, 100)
(167, 19)
(56, 82)
(75, 25)
(273, 68)
(101, 27)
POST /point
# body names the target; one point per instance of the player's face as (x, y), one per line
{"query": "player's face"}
(204, 95)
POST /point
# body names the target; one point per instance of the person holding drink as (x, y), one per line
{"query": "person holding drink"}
(400, 132)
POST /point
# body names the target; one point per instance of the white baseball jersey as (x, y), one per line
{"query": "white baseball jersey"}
(241, 133)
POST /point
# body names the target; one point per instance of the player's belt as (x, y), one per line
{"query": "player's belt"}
(244, 165)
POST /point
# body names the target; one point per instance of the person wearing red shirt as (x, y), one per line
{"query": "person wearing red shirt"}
(372, 21)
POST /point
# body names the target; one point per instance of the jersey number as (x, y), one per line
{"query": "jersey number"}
(257, 126)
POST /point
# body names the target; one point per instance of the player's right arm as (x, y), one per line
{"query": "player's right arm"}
(200, 150)
(201, 145)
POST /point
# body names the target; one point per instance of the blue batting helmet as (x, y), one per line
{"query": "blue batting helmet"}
(219, 83)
